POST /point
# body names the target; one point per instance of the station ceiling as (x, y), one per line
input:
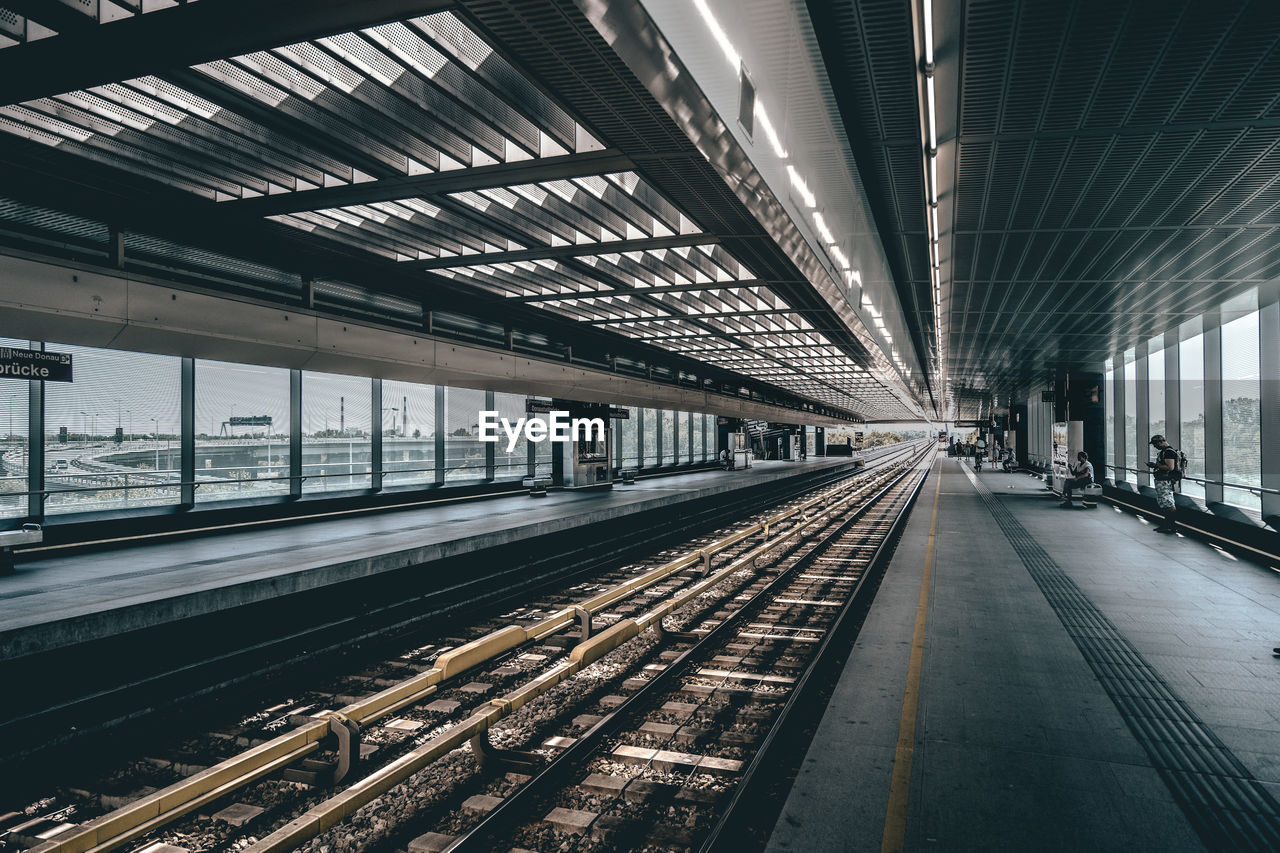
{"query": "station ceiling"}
(403, 156)
(1108, 170)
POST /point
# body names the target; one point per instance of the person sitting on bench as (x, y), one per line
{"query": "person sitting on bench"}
(1081, 476)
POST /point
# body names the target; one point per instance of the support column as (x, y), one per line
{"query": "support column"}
(1141, 388)
(659, 440)
(531, 455)
(1269, 339)
(440, 420)
(187, 439)
(639, 437)
(1117, 436)
(1018, 415)
(1213, 406)
(490, 459)
(675, 437)
(295, 433)
(375, 438)
(35, 446)
(616, 435)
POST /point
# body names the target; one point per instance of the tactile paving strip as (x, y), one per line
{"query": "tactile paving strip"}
(1229, 808)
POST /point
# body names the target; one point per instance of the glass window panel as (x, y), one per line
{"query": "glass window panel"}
(649, 431)
(1241, 411)
(513, 464)
(1109, 400)
(337, 428)
(668, 437)
(92, 471)
(542, 458)
(1191, 411)
(14, 396)
(1130, 418)
(463, 450)
(1155, 393)
(629, 458)
(408, 433)
(244, 460)
(686, 437)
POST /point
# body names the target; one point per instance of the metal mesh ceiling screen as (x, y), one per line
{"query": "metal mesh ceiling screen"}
(1117, 171)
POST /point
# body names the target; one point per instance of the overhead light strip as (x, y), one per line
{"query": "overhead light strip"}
(931, 178)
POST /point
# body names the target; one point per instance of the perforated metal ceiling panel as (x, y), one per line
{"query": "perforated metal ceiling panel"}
(1117, 171)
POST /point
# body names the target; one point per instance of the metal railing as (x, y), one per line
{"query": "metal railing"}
(1258, 490)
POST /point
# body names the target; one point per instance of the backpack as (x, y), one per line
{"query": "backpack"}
(1179, 467)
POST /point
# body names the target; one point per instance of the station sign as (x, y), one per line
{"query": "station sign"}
(250, 420)
(39, 365)
(1046, 396)
(620, 414)
(972, 424)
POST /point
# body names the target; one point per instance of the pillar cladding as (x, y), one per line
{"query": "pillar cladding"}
(1084, 401)
(1018, 430)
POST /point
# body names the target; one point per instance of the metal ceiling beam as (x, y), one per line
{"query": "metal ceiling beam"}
(574, 251)
(711, 316)
(706, 287)
(46, 177)
(185, 35)
(438, 183)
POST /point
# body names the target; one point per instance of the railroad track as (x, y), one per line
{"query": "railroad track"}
(502, 684)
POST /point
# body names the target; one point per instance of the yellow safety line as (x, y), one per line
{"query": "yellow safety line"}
(895, 818)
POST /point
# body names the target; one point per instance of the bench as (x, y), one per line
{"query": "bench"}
(537, 486)
(1230, 513)
(30, 534)
(628, 476)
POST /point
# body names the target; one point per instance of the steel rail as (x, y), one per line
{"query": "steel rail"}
(336, 809)
(481, 837)
(732, 829)
(148, 813)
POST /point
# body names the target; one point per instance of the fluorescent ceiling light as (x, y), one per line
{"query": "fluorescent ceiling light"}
(933, 124)
(721, 37)
(928, 30)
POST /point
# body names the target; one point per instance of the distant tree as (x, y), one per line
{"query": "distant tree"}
(417, 433)
(879, 439)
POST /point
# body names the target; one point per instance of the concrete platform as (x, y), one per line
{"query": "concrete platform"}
(1073, 664)
(62, 600)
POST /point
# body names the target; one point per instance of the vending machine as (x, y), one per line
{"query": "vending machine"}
(585, 460)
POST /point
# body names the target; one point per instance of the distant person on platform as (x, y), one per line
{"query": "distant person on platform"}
(725, 461)
(1081, 476)
(1164, 472)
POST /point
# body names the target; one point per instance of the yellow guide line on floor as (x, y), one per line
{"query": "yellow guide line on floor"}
(895, 818)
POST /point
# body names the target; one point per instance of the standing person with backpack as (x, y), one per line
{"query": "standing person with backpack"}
(1166, 473)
